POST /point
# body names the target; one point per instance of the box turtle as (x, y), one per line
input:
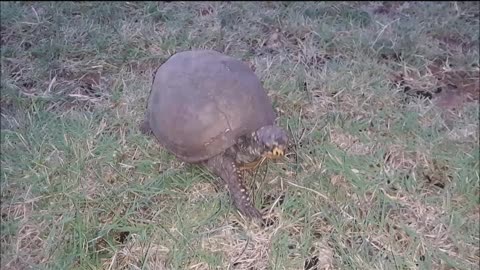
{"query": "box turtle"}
(210, 109)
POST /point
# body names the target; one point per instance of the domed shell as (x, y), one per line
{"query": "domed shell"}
(201, 101)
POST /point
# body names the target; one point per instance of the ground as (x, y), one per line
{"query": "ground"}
(380, 99)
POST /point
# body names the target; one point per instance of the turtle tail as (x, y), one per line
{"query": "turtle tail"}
(225, 167)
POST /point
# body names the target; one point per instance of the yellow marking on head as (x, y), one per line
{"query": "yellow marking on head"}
(275, 153)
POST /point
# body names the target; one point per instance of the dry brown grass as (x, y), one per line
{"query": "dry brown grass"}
(137, 254)
(28, 243)
(420, 226)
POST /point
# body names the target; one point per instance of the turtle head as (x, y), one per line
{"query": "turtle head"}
(272, 140)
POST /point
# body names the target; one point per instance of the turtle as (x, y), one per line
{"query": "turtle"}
(210, 109)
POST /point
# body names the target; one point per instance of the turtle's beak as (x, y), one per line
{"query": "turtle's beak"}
(276, 153)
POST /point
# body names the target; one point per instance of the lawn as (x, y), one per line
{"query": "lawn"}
(381, 101)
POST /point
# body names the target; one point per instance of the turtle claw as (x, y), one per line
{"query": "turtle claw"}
(250, 211)
(242, 201)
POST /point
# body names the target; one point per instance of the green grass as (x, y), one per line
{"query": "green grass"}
(376, 179)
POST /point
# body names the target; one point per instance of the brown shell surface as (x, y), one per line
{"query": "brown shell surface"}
(201, 101)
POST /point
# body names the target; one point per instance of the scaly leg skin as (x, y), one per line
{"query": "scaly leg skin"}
(224, 166)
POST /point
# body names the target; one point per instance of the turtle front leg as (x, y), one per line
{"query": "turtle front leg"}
(224, 166)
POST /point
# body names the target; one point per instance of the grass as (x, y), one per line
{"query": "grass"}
(379, 176)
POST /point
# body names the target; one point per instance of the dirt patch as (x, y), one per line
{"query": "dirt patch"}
(426, 221)
(205, 10)
(390, 7)
(466, 133)
(454, 42)
(28, 242)
(461, 87)
(137, 253)
(398, 158)
(437, 174)
(275, 39)
(469, 12)
(323, 260)
(250, 252)
(30, 248)
(349, 143)
(253, 250)
(322, 252)
(76, 88)
(201, 191)
(448, 88)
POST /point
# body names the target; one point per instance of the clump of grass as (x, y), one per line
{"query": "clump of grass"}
(381, 175)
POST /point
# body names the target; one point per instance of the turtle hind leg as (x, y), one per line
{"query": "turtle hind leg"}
(144, 126)
(225, 167)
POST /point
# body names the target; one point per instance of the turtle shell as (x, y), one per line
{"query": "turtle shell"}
(201, 101)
